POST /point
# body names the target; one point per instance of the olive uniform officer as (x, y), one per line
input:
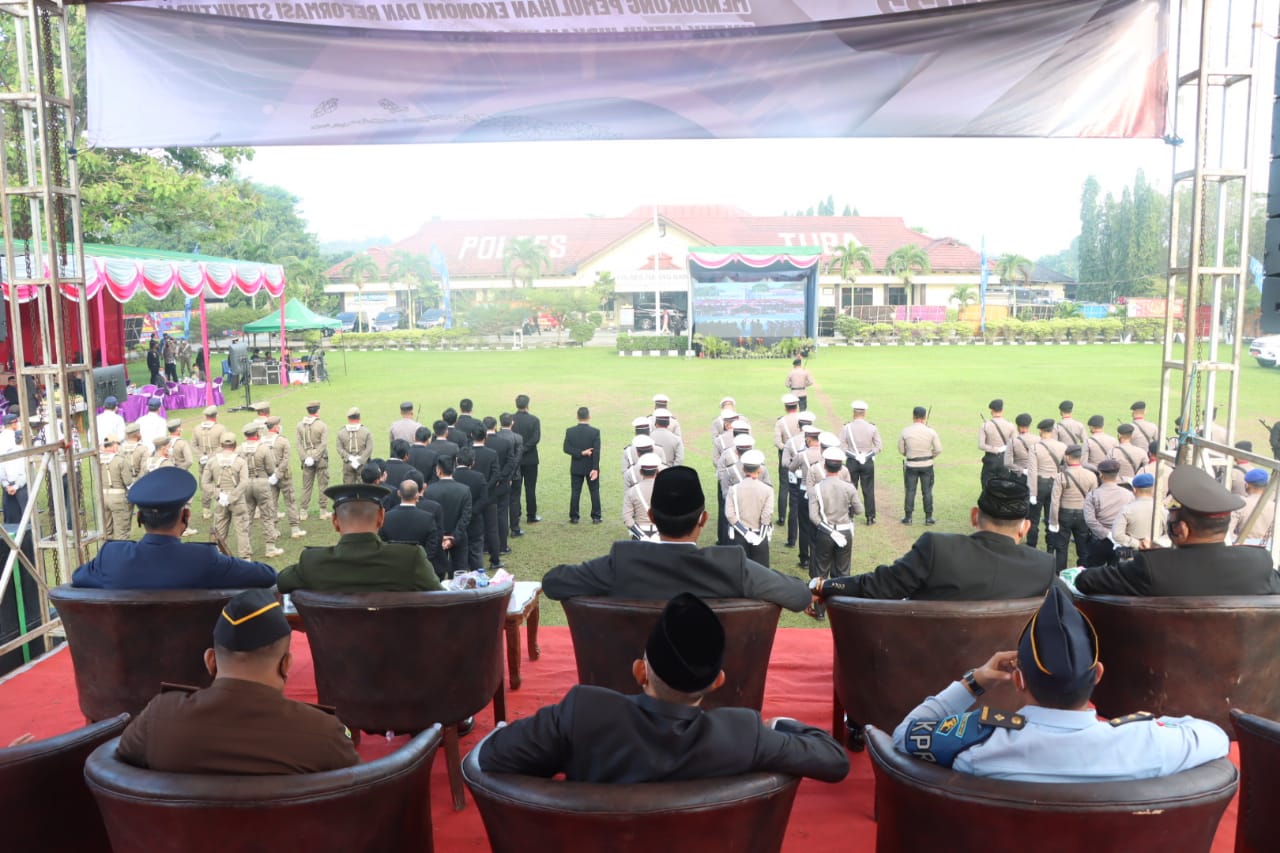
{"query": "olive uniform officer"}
(355, 447)
(259, 463)
(281, 479)
(225, 478)
(117, 477)
(207, 439)
(313, 449)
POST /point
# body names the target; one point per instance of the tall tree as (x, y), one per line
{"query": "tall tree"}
(964, 295)
(848, 260)
(1010, 266)
(524, 260)
(360, 269)
(1089, 252)
(904, 262)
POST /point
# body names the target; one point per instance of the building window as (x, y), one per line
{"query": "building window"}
(897, 296)
(861, 296)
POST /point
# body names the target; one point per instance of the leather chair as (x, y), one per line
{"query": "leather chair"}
(920, 806)
(610, 633)
(1199, 656)
(45, 803)
(528, 814)
(379, 806)
(125, 642)
(403, 661)
(889, 655)
(1257, 823)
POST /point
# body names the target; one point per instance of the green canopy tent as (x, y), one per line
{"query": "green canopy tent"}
(296, 317)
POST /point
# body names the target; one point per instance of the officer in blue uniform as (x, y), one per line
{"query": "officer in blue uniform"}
(160, 559)
(1056, 736)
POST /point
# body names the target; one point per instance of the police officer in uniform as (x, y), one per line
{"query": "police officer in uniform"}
(785, 428)
(406, 428)
(1101, 509)
(260, 464)
(1069, 430)
(281, 479)
(1133, 461)
(1046, 461)
(861, 441)
(207, 439)
(636, 501)
(179, 448)
(919, 445)
(1019, 456)
(1066, 508)
(993, 440)
(226, 478)
(801, 463)
(313, 449)
(749, 509)
(1145, 433)
(798, 382)
(833, 504)
(355, 447)
(794, 445)
(117, 477)
(1098, 445)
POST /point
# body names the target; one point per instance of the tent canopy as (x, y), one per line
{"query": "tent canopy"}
(297, 318)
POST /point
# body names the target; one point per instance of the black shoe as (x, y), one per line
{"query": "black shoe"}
(906, 519)
(791, 544)
(804, 564)
(573, 521)
(517, 533)
(597, 521)
(493, 567)
(930, 520)
(533, 519)
(780, 522)
(506, 550)
(465, 727)
(871, 520)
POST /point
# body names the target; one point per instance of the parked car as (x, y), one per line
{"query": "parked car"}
(353, 321)
(431, 318)
(389, 321)
(1266, 350)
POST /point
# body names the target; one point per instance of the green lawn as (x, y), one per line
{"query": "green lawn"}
(956, 382)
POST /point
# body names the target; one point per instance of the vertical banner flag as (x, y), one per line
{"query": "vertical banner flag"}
(442, 269)
(982, 287)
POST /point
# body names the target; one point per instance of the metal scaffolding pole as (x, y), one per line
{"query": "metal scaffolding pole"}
(43, 264)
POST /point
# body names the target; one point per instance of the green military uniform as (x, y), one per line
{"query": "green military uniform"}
(355, 447)
(117, 476)
(283, 485)
(313, 448)
(207, 439)
(260, 461)
(227, 475)
(361, 562)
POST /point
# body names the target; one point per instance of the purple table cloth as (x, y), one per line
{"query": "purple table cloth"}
(188, 396)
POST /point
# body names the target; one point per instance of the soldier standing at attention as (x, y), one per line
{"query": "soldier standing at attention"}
(281, 479)
(1132, 460)
(226, 477)
(355, 447)
(1069, 430)
(801, 463)
(1018, 456)
(1145, 433)
(1066, 508)
(259, 464)
(1099, 445)
(798, 382)
(662, 435)
(785, 428)
(1046, 461)
(179, 449)
(313, 448)
(117, 477)
(833, 504)
(787, 479)
(749, 508)
(919, 445)
(207, 439)
(993, 440)
(861, 442)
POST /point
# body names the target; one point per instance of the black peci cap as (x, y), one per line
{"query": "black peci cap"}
(686, 646)
(677, 491)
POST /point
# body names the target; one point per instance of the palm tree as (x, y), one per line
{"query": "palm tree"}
(1010, 266)
(524, 260)
(358, 269)
(963, 296)
(902, 262)
(847, 260)
(413, 267)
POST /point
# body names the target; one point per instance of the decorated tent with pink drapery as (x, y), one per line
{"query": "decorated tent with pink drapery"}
(125, 272)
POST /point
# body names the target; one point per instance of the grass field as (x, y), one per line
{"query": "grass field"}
(956, 382)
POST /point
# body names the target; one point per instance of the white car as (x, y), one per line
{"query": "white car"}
(1266, 350)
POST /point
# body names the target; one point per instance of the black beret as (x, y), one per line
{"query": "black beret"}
(251, 620)
(677, 491)
(1139, 406)
(686, 645)
(1096, 420)
(163, 488)
(1246, 445)
(1125, 429)
(919, 412)
(1109, 466)
(371, 492)
(996, 405)
(1058, 649)
(1023, 419)
(1198, 492)
(1005, 497)
(1074, 450)
(1066, 406)
(1046, 424)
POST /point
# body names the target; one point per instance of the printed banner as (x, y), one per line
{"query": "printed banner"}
(1001, 68)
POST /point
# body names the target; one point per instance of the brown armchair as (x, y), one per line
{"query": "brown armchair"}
(920, 806)
(125, 642)
(1257, 824)
(889, 655)
(379, 806)
(404, 661)
(46, 804)
(610, 633)
(527, 814)
(1200, 656)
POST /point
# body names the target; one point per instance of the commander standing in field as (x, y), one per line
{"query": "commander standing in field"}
(582, 444)
(798, 382)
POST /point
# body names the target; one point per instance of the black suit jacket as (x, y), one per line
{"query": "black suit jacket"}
(597, 735)
(474, 481)
(409, 524)
(467, 424)
(955, 567)
(458, 437)
(398, 471)
(576, 440)
(423, 458)
(436, 511)
(1210, 569)
(486, 465)
(501, 444)
(443, 447)
(530, 429)
(455, 500)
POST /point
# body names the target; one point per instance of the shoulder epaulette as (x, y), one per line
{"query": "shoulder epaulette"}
(1001, 719)
(1135, 717)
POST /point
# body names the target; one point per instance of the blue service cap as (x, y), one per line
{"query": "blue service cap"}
(110, 401)
(163, 488)
(1143, 481)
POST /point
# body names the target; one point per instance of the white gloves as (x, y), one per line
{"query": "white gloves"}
(309, 462)
(273, 479)
(355, 462)
(1002, 448)
(204, 460)
(1033, 500)
(224, 499)
(814, 583)
(839, 538)
(1053, 528)
(752, 537)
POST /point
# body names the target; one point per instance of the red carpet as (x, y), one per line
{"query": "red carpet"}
(42, 700)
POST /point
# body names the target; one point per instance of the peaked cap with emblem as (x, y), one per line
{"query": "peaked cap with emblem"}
(163, 488)
(370, 492)
(1198, 492)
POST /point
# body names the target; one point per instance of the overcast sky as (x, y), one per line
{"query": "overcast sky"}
(1022, 195)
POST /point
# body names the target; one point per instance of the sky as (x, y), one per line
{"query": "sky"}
(1022, 195)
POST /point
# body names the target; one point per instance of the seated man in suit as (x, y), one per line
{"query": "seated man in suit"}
(661, 735)
(675, 563)
(406, 523)
(988, 564)
(1200, 562)
(160, 559)
(360, 562)
(242, 723)
(1056, 736)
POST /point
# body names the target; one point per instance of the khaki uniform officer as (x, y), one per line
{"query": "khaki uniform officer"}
(798, 382)
(1046, 462)
(1069, 430)
(1098, 445)
(313, 449)
(1101, 509)
(785, 428)
(260, 462)
(1133, 460)
(179, 448)
(833, 504)
(133, 451)
(159, 454)
(635, 503)
(225, 478)
(919, 445)
(1145, 433)
(281, 479)
(749, 509)
(117, 476)
(355, 447)
(862, 443)
(1066, 508)
(993, 440)
(207, 440)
